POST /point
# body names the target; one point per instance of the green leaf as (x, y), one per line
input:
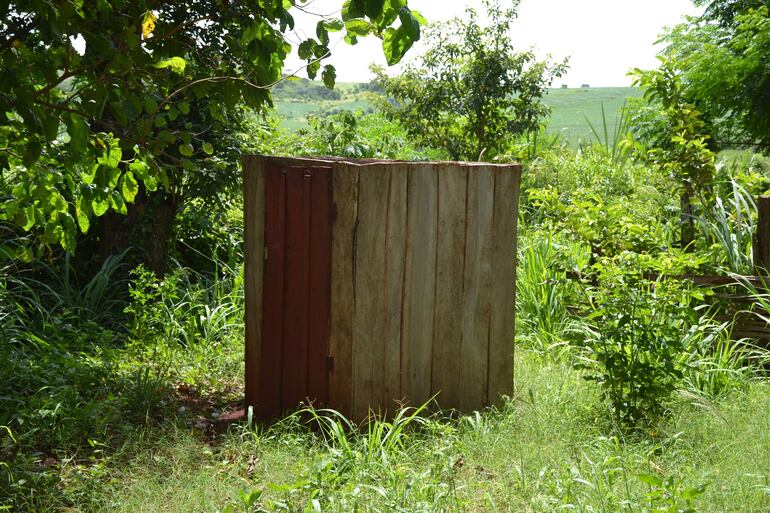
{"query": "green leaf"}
(113, 175)
(329, 76)
(78, 132)
(352, 9)
(373, 8)
(130, 188)
(184, 108)
(409, 23)
(176, 64)
(395, 44)
(306, 49)
(117, 203)
(100, 205)
(208, 148)
(151, 183)
(312, 69)
(82, 211)
(334, 25)
(186, 150)
(322, 33)
(359, 27)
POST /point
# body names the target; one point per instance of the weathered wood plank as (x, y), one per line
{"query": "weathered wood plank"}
(477, 286)
(450, 260)
(253, 244)
(370, 291)
(344, 220)
(319, 286)
(419, 284)
(295, 314)
(269, 405)
(503, 293)
(762, 236)
(395, 254)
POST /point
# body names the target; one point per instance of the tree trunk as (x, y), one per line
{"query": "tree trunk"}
(147, 227)
(156, 253)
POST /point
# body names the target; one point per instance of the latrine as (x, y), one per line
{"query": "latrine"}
(374, 284)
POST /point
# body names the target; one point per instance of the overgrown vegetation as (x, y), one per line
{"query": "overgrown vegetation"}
(632, 392)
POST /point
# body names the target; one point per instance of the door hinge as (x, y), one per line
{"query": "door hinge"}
(264, 254)
(330, 363)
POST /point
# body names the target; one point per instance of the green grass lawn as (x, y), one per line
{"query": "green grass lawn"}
(570, 109)
(551, 448)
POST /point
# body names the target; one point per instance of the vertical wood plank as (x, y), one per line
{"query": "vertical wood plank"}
(269, 402)
(762, 237)
(344, 221)
(319, 286)
(419, 284)
(503, 293)
(253, 243)
(477, 284)
(295, 314)
(395, 255)
(450, 260)
(369, 289)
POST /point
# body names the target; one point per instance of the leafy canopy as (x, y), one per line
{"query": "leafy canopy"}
(101, 98)
(471, 92)
(722, 58)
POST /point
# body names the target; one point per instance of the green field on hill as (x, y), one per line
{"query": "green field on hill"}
(571, 109)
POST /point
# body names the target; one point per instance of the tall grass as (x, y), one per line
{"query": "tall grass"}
(541, 303)
(612, 141)
(730, 225)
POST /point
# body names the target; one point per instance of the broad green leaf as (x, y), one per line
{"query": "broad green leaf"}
(359, 27)
(395, 44)
(208, 148)
(100, 204)
(353, 9)
(329, 76)
(150, 183)
(117, 203)
(305, 49)
(312, 69)
(82, 210)
(130, 188)
(78, 132)
(322, 33)
(184, 108)
(113, 176)
(373, 8)
(177, 64)
(186, 150)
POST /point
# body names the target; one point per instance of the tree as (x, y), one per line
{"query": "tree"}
(106, 101)
(471, 92)
(722, 60)
(679, 143)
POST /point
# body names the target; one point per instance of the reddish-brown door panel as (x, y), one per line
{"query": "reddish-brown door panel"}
(296, 290)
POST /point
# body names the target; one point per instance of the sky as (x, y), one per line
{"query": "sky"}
(603, 39)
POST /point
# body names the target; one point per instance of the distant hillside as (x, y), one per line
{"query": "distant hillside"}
(296, 99)
(571, 107)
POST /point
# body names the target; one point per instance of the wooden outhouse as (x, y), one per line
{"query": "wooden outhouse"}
(375, 284)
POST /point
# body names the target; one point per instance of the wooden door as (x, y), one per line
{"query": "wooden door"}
(296, 299)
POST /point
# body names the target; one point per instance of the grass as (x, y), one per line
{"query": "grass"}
(573, 110)
(550, 448)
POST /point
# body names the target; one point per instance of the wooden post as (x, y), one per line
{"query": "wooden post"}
(762, 236)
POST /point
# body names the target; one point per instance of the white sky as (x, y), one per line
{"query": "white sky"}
(603, 38)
